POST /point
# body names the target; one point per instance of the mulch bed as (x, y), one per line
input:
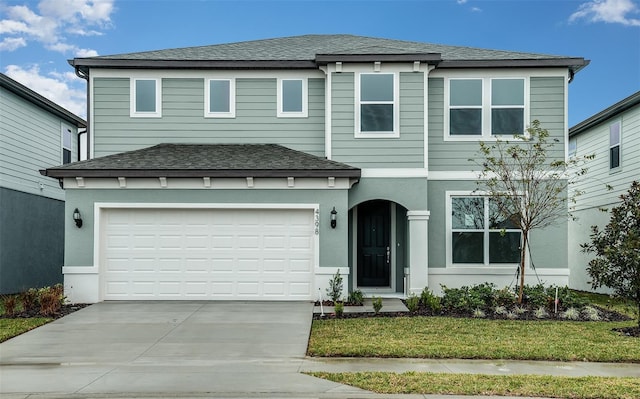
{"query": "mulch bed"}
(64, 310)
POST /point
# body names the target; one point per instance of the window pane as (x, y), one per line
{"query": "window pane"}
(376, 87)
(614, 134)
(292, 96)
(465, 92)
(66, 156)
(498, 220)
(465, 121)
(508, 121)
(219, 94)
(504, 247)
(467, 247)
(467, 213)
(66, 138)
(614, 157)
(145, 96)
(507, 92)
(573, 147)
(376, 118)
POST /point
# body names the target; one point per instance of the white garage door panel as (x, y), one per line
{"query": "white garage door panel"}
(207, 254)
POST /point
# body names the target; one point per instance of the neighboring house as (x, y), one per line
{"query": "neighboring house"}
(34, 133)
(256, 170)
(613, 136)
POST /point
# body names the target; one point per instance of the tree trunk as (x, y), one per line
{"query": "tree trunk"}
(523, 253)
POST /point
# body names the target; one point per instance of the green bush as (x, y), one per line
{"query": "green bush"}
(413, 302)
(505, 297)
(338, 307)
(356, 298)
(335, 287)
(51, 300)
(430, 301)
(377, 304)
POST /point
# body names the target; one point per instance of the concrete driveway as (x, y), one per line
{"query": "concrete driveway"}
(166, 348)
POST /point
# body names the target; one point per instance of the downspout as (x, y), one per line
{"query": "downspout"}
(85, 75)
(327, 111)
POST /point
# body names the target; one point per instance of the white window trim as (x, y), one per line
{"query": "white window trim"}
(618, 144)
(572, 142)
(158, 111)
(449, 230)
(305, 100)
(396, 108)
(486, 107)
(232, 99)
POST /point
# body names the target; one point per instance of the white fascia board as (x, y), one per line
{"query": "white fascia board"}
(394, 172)
(209, 183)
(209, 74)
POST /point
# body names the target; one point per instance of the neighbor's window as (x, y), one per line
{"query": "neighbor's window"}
(377, 105)
(67, 139)
(480, 235)
(292, 98)
(614, 145)
(485, 107)
(220, 98)
(146, 98)
(573, 147)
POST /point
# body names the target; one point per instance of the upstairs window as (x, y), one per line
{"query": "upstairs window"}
(292, 98)
(146, 98)
(479, 235)
(377, 109)
(614, 145)
(573, 147)
(67, 140)
(485, 107)
(220, 98)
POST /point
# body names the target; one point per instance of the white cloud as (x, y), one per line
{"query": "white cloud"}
(52, 21)
(608, 11)
(64, 89)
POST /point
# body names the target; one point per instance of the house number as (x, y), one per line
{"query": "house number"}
(317, 221)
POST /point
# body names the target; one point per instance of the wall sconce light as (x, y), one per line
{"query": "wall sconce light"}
(334, 217)
(77, 218)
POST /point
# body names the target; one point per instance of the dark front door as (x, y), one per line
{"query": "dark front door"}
(374, 246)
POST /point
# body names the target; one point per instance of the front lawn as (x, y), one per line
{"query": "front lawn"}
(10, 328)
(490, 385)
(466, 338)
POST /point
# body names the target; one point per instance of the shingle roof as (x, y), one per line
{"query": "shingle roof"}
(207, 160)
(302, 51)
(606, 114)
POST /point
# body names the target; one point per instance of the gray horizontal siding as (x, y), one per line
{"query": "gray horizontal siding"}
(30, 140)
(407, 151)
(547, 105)
(183, 118)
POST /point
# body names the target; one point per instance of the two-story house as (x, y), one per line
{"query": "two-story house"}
(613, 136)
(34, 133)
(256, 170)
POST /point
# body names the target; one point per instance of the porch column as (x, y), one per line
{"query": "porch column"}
(418, 251)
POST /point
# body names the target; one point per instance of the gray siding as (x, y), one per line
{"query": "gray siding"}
(30, 139)
(183, 118)
(546, 105)
(31, 241)
(406, 151)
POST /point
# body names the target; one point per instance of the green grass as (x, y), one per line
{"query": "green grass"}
(445, 337)
(10, 328)
(606, 302)
(490, 385)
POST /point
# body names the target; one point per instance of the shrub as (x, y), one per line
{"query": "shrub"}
(377, 304)
(569, 298)
(29, 300)
(505, 297)
(430, 301)
(479, 314)
(591, 313)
(356, 297)
(519, 310)
(413, 301)
(536, 296)
(500, 310)
(570, 314)
(512, 315)
(482, 296)
(455, 298)
(10, 304)
(541, 313)
(335, 287)
(338, 307)
(51, 300)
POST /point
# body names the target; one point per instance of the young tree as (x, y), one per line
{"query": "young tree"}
(617, 249)
(527, 182)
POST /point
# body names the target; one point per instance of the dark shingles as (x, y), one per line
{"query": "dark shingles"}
(214, 160)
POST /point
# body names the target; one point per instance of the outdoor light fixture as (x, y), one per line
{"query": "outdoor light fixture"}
(334, 216)
(77, 218)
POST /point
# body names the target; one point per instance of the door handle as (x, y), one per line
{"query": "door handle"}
(388, 254)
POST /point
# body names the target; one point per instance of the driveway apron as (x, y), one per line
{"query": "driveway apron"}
(164, 347)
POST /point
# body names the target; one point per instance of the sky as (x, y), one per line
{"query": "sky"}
(38, 37)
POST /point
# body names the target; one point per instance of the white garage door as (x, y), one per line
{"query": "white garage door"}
(207, 254)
